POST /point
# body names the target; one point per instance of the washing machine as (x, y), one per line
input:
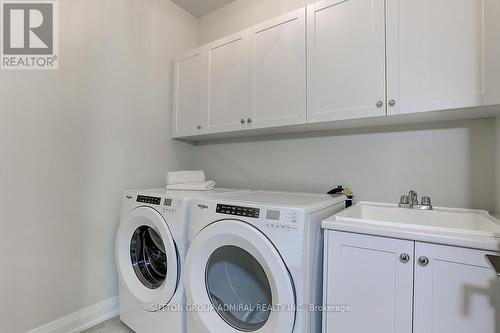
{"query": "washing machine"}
(254, 262)
(151, 244)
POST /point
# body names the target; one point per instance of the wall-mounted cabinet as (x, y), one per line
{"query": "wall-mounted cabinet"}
(278, 71)
(189, 94)
(442, 54)
(226, 107)
(350, 63)
(250, 80)
(346, 59)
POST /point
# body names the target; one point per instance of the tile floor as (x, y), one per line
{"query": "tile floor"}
(114, 325)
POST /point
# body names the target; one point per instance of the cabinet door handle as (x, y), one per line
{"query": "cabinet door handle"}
(380, 104)
(242, 121)
(494, 262)
(249, 120)
(392, 102)
(198, 127)
(423, 261)
(404, 258)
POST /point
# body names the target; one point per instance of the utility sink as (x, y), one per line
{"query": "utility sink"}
(448, 220)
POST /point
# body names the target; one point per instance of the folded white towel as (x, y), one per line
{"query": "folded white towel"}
(204, 186)
(183, 177)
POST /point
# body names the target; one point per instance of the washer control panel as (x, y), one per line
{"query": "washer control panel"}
(238, 211)
(148, 200)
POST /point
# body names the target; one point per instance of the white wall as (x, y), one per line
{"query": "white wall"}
(242, 14)
(497, 152)
(451, 162)
(71, 140)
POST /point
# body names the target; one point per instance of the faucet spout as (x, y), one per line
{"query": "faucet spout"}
(411, 201)
(413, 198)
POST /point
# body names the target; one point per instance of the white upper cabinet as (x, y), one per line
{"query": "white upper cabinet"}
(278, 71)
(227, 83)
(344, 63)
(442, 54)
(189, 94)
(456, 291)
(346, 59)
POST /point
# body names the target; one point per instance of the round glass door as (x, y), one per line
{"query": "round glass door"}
(234, 271)
(147, 253)
(146, 257)
(238, 288)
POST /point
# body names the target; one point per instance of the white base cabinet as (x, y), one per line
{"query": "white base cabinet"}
(402, 286)
(365, 274)
(457, 292)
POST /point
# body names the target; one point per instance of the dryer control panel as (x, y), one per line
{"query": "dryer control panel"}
(283, 220)
(148, 200)
(171, 205)
(238, 211)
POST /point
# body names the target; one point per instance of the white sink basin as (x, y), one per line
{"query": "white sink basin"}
(449, 220)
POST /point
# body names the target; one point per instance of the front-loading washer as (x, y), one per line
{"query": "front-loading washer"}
(254, 262)
(151, 244)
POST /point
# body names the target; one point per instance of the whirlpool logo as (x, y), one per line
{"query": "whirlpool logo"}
(29, 34)
(202, 206)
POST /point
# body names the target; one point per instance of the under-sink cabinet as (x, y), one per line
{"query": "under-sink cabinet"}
(401, 286)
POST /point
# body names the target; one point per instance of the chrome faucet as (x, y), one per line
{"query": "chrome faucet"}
(411, 201)
(413, 198)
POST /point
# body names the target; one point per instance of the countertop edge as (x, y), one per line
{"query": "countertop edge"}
(473, 241)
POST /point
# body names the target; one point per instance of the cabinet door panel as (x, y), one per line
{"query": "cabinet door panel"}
(366, 274)
(227, 83)
(278, 72)
(442, 54)
(457, 292)
(189, 93)
(346, 59)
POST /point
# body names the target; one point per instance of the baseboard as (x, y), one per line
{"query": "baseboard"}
(81, 320)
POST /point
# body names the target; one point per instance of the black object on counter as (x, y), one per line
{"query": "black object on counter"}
(338, 190)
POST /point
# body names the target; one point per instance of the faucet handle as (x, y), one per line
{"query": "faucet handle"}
(426, 204)
(426, 201)
(405, 200)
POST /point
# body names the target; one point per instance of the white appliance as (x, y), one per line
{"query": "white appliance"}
(151, 244)
(254, 262)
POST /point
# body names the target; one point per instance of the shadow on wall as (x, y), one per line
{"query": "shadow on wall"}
(497, 153)
(71, 140)
(453, 162)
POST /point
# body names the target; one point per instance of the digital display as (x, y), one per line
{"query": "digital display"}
(148, 200)
(273, 215)
(168, 202)
(238, 210)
